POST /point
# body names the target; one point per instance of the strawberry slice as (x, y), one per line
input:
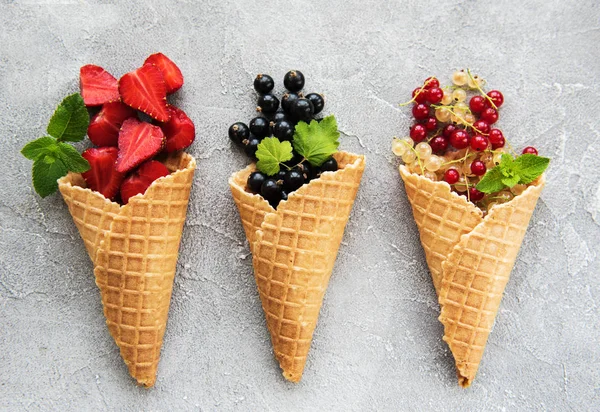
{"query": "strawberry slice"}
(104, 126)
(102, 176)
(142, 178)
(144, 89)
(138, 142)
(179, 131)
(97, 85)
(169, 70)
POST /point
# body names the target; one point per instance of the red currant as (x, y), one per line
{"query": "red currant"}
(479, 143)
(451, 176)
(477, 104)
(499, 143)
(419, 95)
(431, 82)
(530, 150)
(459, 139)
(490, 115)
(421, 111)
(481, 126)
(475, 195)
(496, 97)
(478, 168)
(496, 138)
(439, 145)
(431, 123)
(435, 95)
(448, 130)
(418, 133)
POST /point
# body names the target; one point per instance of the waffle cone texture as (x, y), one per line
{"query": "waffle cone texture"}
(134, 249)
(470, 258)
(294, 249)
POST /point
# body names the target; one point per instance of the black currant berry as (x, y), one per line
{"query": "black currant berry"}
(293, 180)
(284, 195)
(302, 110)
(284, 130)
(307, 171)
(268, 104)
(270, 190)
(287, 100)
(251, 146)
(317, 101)
(238, 132)
(263, 84)
(259, 127)
(278, 116)
(255, 181)
(330, 165)
(280, 175)
(295, 160)
(293, 81)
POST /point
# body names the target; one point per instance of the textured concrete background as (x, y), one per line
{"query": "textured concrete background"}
(378, 343)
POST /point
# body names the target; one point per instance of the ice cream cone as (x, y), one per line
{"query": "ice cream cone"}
(294, 249)
(470, 258)
(134, 249)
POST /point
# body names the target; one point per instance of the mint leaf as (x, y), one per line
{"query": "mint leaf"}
(506, 162)
(491, 181)
(72, 159)
(70, 120)
(40, 147)
(529, 167)
(46, 171)
(317, 141)
(270, 153)
(510, 181)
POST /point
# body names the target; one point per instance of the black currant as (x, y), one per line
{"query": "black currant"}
(251, 146)
(307, 171)
(284, 130)
(279, 116)
(287, 100)
(317, 101)
(293, 81)
(263, 83)
(295, 160)
(293, 180)
(268, 104)
(280, 175)
(259, 127)
(238, 132)
(284, 195)
(330, 165)
(255, 181)
(270, 190)
(302, 110)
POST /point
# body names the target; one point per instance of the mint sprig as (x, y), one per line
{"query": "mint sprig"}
(52, 159)
(522, 170)
(271, 153)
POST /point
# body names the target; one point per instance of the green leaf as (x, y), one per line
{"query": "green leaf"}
(529, 167)
(72, 159)
(40, 147)
(45, 175)
(270, 153)
(491, 181)
(510, 181)
(70, 121)
(317, 141)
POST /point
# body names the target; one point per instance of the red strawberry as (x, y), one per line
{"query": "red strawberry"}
(142, 178)
(102, 176)
(144, 89)
(138, 142)
(97, 85)
(179, 131)
(104, 126)
(169, 70)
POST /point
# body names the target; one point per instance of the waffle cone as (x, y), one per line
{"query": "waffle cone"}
(134, 249)
(470, 258)
(294, 249)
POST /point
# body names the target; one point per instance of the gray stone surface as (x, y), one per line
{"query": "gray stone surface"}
(378, 343)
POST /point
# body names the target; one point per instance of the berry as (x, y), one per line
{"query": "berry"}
(139, 181)
(460, 78)
(251, 145)
(496, 97)
(481, 126)
(479, 143)
(475, 195)
(293, 81)
(448, 130)
(435, 94)
(496, 138)
(145, 89)
(499, 143)
(317, 101)
(431, 82)
(490, 115)
(478, 168)
(97, 85)
(439, 145)
(431, 123)
(284, 130)
(287, 100)
(307, 171)
(293, 180)
(170, 71)
(420, 95)
(238, 132)
(270, 190)
(329, 165)
(268, 104)
(277, 117)
(255, 180)
(459, 139)
(284, 195)
(138, 142)
(280, 175)
(302, 110)
(259, 127)
(263, 83)
(102, 176)
(418, 132)
(420, 111)
(104, 126)
(459, 95)
(451, 176)
(180, 131)
(530, 150)
(477, 104)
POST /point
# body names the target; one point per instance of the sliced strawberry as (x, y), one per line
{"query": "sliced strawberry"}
(169, 70)
(97, 85)
(179, 131)
(104, 126)
(102, 176)
(138, 142)
(142, 178)
(144, 89)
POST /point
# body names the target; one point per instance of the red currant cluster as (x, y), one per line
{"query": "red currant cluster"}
(454, 138)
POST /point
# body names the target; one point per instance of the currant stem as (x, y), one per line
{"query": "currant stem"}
(489, 99)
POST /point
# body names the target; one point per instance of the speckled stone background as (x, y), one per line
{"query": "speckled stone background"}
(378, 343)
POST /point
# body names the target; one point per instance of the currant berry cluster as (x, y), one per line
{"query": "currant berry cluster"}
(454, 137)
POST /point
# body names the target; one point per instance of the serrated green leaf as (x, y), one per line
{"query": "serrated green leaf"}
(491, 181)
(270, 153)
(40, 147)
(506, 162)
(45, 175)
(72, 159)
(510, 181)
(70, 120)
(317, 141)
(529, 167)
